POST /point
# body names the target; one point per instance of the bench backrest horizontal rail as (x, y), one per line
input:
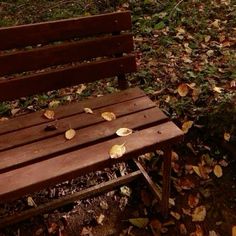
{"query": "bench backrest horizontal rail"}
(59, 78)
(33, 34)
(51, 55)
(64, 53)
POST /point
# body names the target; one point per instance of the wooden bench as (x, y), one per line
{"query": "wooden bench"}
(86, 49)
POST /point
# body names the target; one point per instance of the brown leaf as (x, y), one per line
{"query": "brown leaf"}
(31, 202)
(155, 226)
(183, 90)
(70, 133)
(226, 136)
(176, 215)
(193, 200)
(124, 132)
(117, 151)
(49, 114)
(182, 229)
(199, 214)
(109, 116)
(218, 171)
(100, 219)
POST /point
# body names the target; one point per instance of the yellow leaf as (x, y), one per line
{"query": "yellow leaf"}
(53, 104)
(176, 215)
(117, 151)
(124, 132)
(70, 133)
(196, 170)
(217, 89)
(49, 114)
(139, 222)
(227, 136)
(234, 231)
(218, 171)
(31, 202)
(199, 214)
(183, 90)
(88, 110)
(109, 116)
(186, 126)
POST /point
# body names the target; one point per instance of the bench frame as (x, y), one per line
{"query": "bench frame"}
(114, 49)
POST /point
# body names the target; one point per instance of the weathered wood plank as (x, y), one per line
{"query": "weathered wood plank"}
(46, 148)
(47, 56)
(38, 33)
(33, 177)
(67, 110)
(69, 76)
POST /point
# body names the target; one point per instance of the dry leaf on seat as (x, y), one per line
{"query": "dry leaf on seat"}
(109, 116)
(117, 151)
(88, 110)
(124, 132)
(70, 133)
(49, 114)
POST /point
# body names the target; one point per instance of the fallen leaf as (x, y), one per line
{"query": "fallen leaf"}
(215, 23)
(124, 132)
(227, 136)
(196, 170)
(193, 200)
(186, 126)
(53, 104)
(53, 228)
(183, 90)
(217, 89)
(117, 151)
(182, 229)
(125, 191)
(70, 133)
(139, 222)
(207, 38)
(14, 111)
(199, 214)
(88, 110)
(49, 114)
(31, 202)
(218, 171)
(81, 88)
(198, 232)
(212, 233)
(156, 227)
(3, 119)
(100, 219)
(86, 231)
(109, 116)
(176, 215)
(234, 231)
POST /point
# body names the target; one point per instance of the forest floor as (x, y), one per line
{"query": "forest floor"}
(186, 57)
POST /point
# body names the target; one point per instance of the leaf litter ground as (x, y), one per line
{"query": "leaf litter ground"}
(186, 61)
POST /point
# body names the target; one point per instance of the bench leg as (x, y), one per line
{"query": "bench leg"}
(166, 182)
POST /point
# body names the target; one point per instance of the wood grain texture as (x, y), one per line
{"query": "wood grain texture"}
(38, 33)
(71, 109)
(33, 177)
(52, 55)
(69, 76)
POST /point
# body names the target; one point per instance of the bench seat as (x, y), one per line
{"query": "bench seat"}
(32, 158)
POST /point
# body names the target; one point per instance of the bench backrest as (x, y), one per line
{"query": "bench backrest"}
(40, 57)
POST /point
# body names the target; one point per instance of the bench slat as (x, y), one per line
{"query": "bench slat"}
(29, 135)
(33, 177)
(32, 34)
(34, 152)
(64, 53)
(59, 78)
(36, 118)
